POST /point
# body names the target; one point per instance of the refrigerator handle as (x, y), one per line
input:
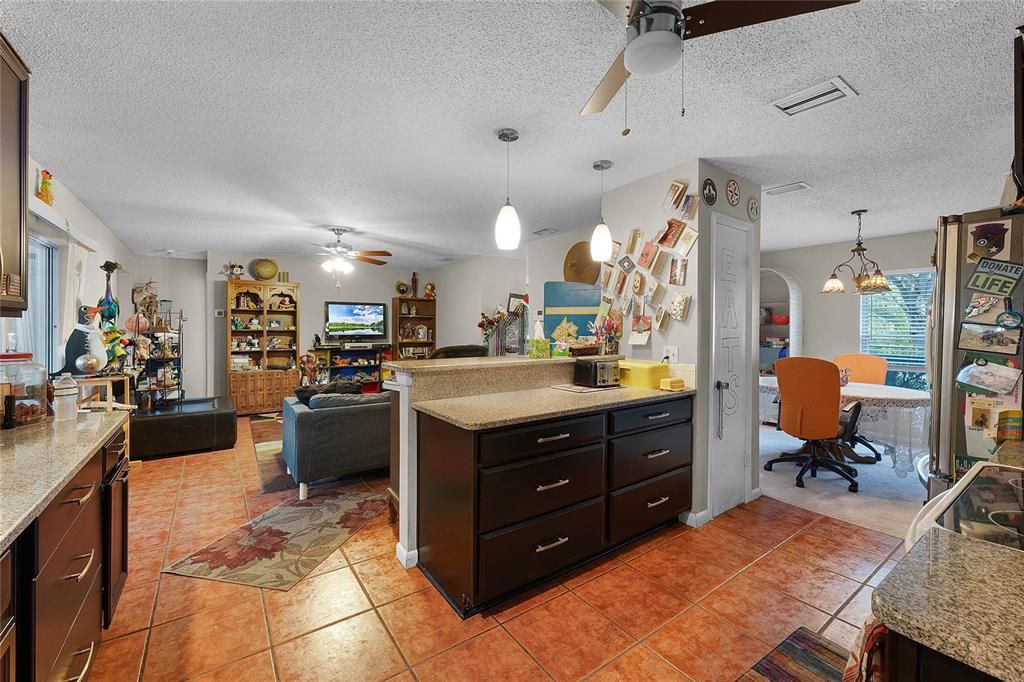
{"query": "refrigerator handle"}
(946, 316)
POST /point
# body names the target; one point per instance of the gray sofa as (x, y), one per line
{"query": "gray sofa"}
(336, 435)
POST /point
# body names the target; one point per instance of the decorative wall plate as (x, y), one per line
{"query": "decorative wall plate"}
(709, 192)
(754, 209)
(732, 193)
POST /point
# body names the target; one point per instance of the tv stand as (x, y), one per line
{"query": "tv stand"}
(362, 365)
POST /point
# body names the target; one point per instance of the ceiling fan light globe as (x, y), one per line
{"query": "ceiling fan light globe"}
(506, 228)
(344, 266)
(328, 265)
(601, 243)
(653, 52)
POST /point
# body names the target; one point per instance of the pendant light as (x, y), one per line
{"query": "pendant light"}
(867, 277)
(506, 227)
(601, 240)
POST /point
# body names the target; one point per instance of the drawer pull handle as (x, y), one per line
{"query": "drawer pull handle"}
(660, 415)
(655, 503)
(77, 577)
(557, 484)
(548, 439)
(88, 663)
(126, 475)
(80, 501)
(657, 453)
(551, 545)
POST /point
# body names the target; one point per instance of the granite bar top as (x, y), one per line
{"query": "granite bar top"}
(450, 364)
(1011, 453)
(38, 460)
(494, 410)
(961, 597)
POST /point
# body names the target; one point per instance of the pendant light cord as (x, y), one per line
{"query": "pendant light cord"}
(508, 144)
(682, 78)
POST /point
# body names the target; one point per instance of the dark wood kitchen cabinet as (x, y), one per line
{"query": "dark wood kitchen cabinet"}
(7, 622)
(71, 564)
(13, 182)
(501, 510)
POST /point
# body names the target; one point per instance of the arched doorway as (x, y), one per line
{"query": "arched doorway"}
(782, 297)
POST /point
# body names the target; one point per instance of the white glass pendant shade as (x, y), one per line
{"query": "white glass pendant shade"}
(337, 264)
(506, 228)
(601, 243)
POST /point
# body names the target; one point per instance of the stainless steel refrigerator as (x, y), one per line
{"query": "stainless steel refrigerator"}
(975, 338)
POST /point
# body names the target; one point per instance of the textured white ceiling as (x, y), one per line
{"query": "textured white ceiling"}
(228, 125)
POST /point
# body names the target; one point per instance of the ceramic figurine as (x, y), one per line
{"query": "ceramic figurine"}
(310, 369)
(415, 285)
(429, 290)
(234, 270)
(84, 352)
(45, 192)
(109, 305)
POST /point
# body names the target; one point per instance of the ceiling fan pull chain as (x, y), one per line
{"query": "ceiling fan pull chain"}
(682, 78)
(625, 109)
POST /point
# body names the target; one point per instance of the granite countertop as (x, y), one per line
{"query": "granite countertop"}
(1010, 453)
(445, 365)
(38, 460)
(494, 410)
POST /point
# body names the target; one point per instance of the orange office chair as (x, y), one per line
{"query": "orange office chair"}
(864, 368)
(809, 409)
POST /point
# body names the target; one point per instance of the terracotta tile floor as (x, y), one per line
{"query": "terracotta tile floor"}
(704, 603)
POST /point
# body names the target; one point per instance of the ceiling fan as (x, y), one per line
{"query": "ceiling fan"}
(656, 30)
(341, 254)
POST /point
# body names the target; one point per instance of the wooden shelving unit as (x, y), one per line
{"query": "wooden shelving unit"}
(361, 365)
(413, 327)
(262, 343)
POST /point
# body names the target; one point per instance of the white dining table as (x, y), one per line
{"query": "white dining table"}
(892, 417)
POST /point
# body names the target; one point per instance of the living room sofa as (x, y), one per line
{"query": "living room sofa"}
(335, 435)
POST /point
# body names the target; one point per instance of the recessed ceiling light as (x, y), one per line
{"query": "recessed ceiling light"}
(832, 90)
(786, 189)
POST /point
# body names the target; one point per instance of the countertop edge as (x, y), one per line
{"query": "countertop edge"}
(424, 408)
(468, 364)
(11, 533)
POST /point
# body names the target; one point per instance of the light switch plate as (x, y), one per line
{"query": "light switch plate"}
(672, 352)
(218, 313)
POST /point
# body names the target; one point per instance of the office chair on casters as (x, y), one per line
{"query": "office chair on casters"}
(849, 436)
(809, 410)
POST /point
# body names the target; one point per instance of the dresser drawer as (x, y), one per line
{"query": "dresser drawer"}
(644, 505)
(515, 492)
(64, 582)
(649, 416)
(78, 654)
(61, 513)
(649, 453)
(511, 558)
(509, 445)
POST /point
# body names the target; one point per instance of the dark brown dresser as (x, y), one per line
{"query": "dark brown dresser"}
(501, 510)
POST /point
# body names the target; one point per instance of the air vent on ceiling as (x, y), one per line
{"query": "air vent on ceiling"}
(830, 91)
(544, 231)
(447, 259)
(786, 189)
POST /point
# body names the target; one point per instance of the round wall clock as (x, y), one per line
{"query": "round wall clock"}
(732, 193)
(754, 209)
(709, 192)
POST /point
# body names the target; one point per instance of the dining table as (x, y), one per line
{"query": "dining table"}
(893, 418)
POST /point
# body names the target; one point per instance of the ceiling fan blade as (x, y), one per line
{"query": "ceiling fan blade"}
(725, 15)
(371, 261)
(373, 253)
(609, 86)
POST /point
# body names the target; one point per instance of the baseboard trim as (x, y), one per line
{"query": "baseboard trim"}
(408, 558)
(696, 519)
(754, 494)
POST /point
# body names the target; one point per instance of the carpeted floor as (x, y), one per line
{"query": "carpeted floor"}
(885, 502)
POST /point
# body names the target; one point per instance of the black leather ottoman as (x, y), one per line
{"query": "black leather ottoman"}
(194, 424)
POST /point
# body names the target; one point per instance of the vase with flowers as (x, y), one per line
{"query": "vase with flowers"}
(606, 330)
(488, 325)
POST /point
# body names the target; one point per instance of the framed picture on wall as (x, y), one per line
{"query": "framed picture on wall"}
(514, 301)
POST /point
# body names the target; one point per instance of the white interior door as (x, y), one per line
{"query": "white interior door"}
(732, 365)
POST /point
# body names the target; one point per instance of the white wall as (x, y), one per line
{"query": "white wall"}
(832, 322)
(470, 287)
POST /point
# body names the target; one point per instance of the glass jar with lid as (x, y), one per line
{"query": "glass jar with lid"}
(26, 381)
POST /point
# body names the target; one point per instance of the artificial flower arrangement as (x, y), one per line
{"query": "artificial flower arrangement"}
(488, 324)
(607, 331)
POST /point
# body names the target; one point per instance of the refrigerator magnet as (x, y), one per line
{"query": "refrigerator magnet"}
(987, 377)
(1010, 319)
(990, 240)
(987, 338)
(995, 277)
(986, 308)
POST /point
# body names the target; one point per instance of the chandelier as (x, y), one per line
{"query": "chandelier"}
(867, 276)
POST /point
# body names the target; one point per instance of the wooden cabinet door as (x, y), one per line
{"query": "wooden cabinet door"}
(13, 182)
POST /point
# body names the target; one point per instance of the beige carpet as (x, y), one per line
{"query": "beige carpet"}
(884, 503)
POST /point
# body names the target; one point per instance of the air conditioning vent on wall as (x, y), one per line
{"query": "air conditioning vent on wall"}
(544, 231)
(786, 189)
(830, 91)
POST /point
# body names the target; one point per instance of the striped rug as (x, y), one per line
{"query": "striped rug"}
(804, 656)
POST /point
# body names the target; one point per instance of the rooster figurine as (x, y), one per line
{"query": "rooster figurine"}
(45, 191)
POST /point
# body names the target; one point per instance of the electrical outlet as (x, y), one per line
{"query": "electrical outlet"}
(672, 352)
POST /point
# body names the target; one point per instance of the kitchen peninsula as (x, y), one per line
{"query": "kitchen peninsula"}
(63, 542)
(504, 481)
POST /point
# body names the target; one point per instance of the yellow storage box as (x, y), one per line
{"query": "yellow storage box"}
(642, 373)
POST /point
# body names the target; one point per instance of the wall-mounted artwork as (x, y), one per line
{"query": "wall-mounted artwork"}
(655, 291)
(661, 262)
(679, 308)
(636, 238)
(686, 240)
(647, 255)
(670, 236)
(677, 271)
(675, 196)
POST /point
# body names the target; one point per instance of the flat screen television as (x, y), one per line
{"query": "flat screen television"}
(349, 320)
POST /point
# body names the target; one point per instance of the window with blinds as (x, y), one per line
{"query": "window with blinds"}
(894, 325)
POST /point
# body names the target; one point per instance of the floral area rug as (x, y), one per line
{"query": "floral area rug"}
(266, 436)
(279, 548)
